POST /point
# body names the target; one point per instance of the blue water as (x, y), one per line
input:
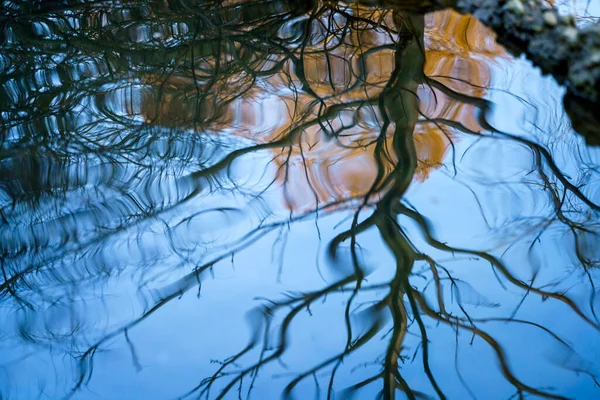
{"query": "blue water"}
(172, 190)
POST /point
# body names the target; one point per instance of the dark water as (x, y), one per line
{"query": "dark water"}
(264, 199)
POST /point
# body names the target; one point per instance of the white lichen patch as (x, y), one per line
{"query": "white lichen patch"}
(550, 18)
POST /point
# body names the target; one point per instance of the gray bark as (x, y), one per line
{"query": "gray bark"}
(556, 46)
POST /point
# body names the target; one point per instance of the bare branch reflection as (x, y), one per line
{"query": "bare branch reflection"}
(146, 144)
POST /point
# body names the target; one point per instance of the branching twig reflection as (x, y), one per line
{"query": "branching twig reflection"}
(123, 122)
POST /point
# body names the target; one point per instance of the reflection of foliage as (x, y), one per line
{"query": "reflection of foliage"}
(113, 117)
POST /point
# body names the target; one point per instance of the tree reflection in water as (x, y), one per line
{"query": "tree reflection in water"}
(150, 142)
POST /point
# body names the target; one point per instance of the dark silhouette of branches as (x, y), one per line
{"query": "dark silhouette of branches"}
(120, 126)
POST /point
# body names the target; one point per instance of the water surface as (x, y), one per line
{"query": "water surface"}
(264, 199)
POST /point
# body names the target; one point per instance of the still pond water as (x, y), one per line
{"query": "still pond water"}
(265, 199)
